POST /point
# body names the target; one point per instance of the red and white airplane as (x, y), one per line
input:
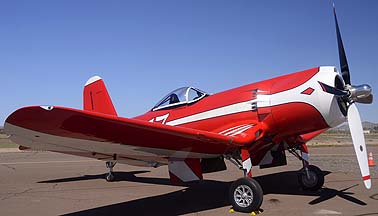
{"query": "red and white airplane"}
(193, 132)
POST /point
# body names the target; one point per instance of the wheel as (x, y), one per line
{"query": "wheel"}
(246, 195)
(109, 177)
(314, 181)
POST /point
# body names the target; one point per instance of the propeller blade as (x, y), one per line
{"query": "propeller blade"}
(356, 131)
(332, 90)
(365, 100)
(343, 60)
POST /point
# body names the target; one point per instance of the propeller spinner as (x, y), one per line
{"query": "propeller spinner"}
(349, 95)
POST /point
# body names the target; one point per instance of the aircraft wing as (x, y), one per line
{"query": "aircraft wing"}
(69, 130)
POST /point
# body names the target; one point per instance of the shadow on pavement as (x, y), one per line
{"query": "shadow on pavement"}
(198, 197)
(202, 196)
(121, 176)
(286, 183)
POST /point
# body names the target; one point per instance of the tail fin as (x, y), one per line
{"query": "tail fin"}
(96, 97)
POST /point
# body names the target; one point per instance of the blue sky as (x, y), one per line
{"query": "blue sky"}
(145, 49)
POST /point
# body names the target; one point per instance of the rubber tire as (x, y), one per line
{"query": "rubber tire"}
(110, 177)
(319, 175)
(257, 195)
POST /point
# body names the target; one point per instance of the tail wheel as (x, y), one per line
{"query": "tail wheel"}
(246, 195)
(312, 180)
(110, 177)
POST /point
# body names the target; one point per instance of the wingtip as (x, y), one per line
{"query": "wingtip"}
(92, 80)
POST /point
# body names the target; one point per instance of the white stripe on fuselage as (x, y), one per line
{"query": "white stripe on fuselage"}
(233, 128)
(221, 111)
(240, 130)
(262, 100)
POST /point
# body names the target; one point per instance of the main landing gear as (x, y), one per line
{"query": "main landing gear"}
(245, 194)
(110, 176)
(310, 177)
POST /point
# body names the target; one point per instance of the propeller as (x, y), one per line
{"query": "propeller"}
(333, 90)
(358, 138)
(342, 57)
(350, 94)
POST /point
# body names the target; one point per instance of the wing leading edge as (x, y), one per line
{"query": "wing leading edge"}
(76, 129)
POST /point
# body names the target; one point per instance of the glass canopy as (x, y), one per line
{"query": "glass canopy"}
(180, 96)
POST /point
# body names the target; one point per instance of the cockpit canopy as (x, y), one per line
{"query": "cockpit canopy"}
(180, 96)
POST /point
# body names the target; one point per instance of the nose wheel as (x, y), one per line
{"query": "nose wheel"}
(110, 176)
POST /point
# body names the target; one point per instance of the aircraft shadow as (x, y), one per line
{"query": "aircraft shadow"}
(121, 176)
(202, 196)
(286, 183)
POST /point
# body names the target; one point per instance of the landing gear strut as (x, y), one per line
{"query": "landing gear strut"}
(245, 193)
(310, 177)
(110, 176)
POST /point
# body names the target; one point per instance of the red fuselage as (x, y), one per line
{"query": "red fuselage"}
(285, 120)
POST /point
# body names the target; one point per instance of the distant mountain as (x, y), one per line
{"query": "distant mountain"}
(369, 125)
(366, 125)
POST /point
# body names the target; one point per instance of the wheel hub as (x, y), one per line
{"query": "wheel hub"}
(243, 196)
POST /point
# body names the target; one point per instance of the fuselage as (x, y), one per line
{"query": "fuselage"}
(288, 105)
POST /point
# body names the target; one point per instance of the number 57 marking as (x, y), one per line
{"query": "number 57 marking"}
(161, 119)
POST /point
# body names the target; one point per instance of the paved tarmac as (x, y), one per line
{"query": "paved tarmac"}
(44, 183)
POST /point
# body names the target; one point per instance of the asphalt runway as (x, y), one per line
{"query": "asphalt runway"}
(44, 183)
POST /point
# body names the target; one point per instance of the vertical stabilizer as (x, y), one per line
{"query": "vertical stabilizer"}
(96, 98)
